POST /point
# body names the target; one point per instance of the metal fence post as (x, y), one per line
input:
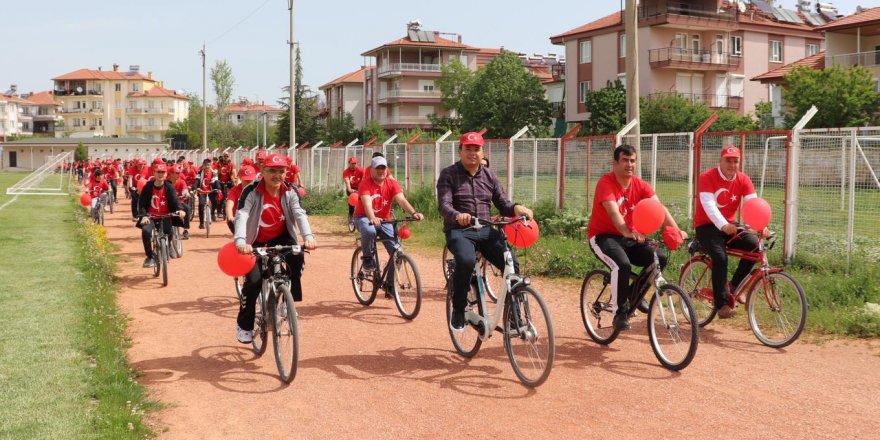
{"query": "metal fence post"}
(792, 189)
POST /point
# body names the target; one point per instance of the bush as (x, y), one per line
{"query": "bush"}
(325, 202)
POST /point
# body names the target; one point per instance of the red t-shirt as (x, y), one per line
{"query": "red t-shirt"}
(224, 173)
(728, 194)
(111, 171)
(234, 195)
(95, 188)
(205, 183)
(356, 176)
(291, 175)
(607, 189)
(159, 203)
(272, 222)
(381, 195)
(189, 175)
(138, 174)
(179, 186)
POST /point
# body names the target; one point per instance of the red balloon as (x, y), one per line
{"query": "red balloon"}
(522, 235)
(233, 263)
(648, 216)
(85, 199)
(140, 185)
(757, 213)
(404, 232)
(354, 199)
(301, 191)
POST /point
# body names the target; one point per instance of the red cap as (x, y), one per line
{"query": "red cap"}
(158, 160)
(160, 167)
(247, 173)
(275, 160)
(472, 138)
(174, 169)
(247, 161)
(261, 155)
(353, 159)
(289, 160)
(730, 151)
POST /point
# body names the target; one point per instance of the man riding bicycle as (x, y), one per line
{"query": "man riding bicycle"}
(351, 178)
(269, 214)
(246, 177)
(97, 188)
(158, 197)
(205, 186)
(611, 234)
(182, 190)
(376, 194)
(722, 190)
(466, 190)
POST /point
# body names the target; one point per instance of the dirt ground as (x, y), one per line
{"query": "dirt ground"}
(365, 372)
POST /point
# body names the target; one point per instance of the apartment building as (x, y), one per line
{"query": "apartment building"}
(346, 95)
(701, 49)
(243, 110)
(48, 112)
(117, 104)
(16, 115)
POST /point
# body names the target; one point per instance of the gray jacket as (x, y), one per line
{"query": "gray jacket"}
(250, 207)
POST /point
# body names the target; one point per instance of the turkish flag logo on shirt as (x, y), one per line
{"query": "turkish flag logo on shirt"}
(271, 216)
(156, 202)
(723, 197)
(622, 205)
(378, 202)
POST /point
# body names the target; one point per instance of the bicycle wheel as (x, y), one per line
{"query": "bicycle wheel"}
(261, 324)
(112, 202)
(670, 327)
(528, 336)
(100, 214)
(493, 278)
(351, 224)
(284, 333)
(777, 309)
(447, 268)
(207, 216)
(596, 307)
(696, 282)
(157, 267)
(177, 243)
(407, 286)
(362, 283)
(466, 341)
(163, 257)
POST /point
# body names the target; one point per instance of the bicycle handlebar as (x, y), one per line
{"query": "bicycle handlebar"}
(401, 220)
(478, 223)
(277, 249)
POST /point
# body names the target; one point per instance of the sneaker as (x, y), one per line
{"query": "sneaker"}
(244, 336)
(149, 262)
(369, 265)
(726, 312)
(457, 320)
(201, 226)
(621, 321)
(185, 234)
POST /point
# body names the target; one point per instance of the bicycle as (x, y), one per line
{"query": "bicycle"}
(406, 288)
(671, 315)
(491, 274)
(208, 212)
(775, 301)
(275, 309)
(97, 213)
(528, 338)
(160, 246)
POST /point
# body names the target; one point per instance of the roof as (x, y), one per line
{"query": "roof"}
(158, 92)
(439, 42)
(351, 77)
(48, 141)
(542, 72)
(247, 107)
(867, 16)
(87, 74)
(613, 19)
(815, 62)
(15, 99)
(44, 98)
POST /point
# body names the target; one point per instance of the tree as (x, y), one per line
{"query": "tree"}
(192, 125)
(455, 84)
(373, 128)
(306, 108)
(222, 81)
(340, 129)
(81, 152)
(675, 114)
(504, 98)
(607, 107)
(845, 97)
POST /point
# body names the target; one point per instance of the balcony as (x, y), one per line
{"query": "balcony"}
(710, 100)
(865, 59)
(558, 72)
(396, 69)
(404, 120)
(678, 58)
(74, 92)
(557, 107)
(394, 95)
(685, 14)
(134, 110)
(159, 110)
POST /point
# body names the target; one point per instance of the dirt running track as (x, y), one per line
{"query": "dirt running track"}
(364, 372)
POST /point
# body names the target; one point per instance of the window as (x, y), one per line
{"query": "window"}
(622, 78)
(736, 46)
(118, 122)
(695, 44)
(737, 84)
(425, 110)
(775, 51)
(812, 49)
(118, 87)
(585, 86)
(623, 45)
(681, 43)
(586, 51)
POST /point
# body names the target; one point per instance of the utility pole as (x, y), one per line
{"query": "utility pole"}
(292, 81)
(204, 103)
(631, 30)
(264, 129)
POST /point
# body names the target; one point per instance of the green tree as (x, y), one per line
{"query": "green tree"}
(607, 107)
(455, 84)
(845, 97)
(192, 125)
(306, 109)
(81, 152)
(729, 120)
(504, 98)
(340, 129)
(374, 129)
(222, 81)
(671, 113)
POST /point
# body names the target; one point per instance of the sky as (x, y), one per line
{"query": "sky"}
(48, 38)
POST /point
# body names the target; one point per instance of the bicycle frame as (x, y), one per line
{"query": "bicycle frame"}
(759, 255)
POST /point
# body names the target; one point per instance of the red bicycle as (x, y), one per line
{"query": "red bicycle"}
(775, 301)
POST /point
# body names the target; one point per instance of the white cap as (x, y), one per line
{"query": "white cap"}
(378, 161)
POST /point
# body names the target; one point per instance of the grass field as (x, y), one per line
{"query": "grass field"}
(60, 348)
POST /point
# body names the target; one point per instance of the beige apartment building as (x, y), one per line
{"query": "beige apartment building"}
(346, 95)
(117, 104)
(704, 50)
(243, 110)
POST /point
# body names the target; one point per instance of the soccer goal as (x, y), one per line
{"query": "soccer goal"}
(51, 179)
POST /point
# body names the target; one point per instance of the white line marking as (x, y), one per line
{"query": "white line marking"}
(8, 203)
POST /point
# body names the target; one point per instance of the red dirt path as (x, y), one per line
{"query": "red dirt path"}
(365, 372)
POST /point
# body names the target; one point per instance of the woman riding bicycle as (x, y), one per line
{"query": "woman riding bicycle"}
(157, 197)
(269, 214)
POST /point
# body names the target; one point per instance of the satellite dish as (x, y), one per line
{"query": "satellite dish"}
(741, 5)
(79, 89)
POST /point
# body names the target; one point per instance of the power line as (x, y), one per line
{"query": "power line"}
(240, 22)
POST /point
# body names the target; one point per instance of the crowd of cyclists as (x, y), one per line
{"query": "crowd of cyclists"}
(261, 203)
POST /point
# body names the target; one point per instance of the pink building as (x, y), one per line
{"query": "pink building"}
(705, 50)
(346, 95)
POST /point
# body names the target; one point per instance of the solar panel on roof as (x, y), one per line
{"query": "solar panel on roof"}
(430, 37)
(779, 15)
(792, 16)
(829, 16)
(814, 19)
(763, 6)
(413, 35)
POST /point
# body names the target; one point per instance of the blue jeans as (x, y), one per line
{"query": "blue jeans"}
(368, 237)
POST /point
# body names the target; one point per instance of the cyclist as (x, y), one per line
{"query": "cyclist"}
(225, 175)
(158, 197)
(351, 178)
(97, 188)
(111, 172)
(138, 172)
(610, 231)
(377, 194)
(466, 190)
(291, 177)
(722, 190)
(182, 190)
(245, 177)
(206, 183)
(269, 214)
